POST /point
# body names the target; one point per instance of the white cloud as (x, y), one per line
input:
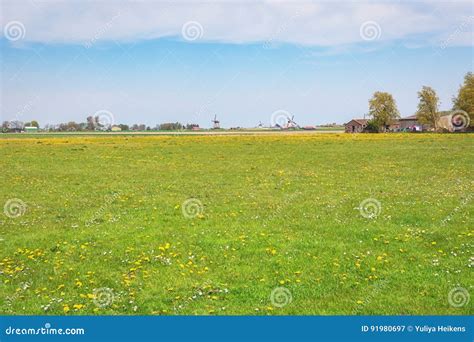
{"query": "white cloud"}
(322, 23)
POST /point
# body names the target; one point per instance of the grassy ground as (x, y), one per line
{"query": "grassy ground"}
(104, 232)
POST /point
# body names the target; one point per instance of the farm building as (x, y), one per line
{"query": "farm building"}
(116, 129)
(411, 123)
(394, 126)
(31, 129)
(408, 123)
(355, 125)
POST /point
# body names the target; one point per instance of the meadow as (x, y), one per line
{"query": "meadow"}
(301, 224)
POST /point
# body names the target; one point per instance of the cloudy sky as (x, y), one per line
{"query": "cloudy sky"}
(159, 61)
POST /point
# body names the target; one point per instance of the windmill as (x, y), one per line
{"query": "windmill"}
(216, 123)
(291, 123)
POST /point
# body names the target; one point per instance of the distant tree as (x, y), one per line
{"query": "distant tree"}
(33, 123)
(371, 127)
(191, 126)
(138, 127)
(97, 122)
(171, 126)
(465, 98)
(16, 126)
(71, 126)
(428, 107)
(101, 126)
(383, 110)
(124, 127)
(90, 123)
(5, 127)
(166, 126)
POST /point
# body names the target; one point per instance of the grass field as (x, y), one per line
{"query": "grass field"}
(259, 225)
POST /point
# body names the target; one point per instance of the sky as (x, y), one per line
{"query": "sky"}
(245, 61)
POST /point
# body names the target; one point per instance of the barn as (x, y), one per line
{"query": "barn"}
(410, 123)
(356, 125)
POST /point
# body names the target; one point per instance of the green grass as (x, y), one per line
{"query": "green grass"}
(278, 211)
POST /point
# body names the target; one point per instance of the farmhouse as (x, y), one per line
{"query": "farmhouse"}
(356, 125)
(408, 123)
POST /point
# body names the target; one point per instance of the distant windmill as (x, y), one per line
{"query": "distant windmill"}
(216, 123)
(291, 123)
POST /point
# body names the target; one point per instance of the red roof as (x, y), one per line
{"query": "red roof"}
(360, 121)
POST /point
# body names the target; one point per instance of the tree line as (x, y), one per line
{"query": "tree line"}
(92, 124)
(383, 110)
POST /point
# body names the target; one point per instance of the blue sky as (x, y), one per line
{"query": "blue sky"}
(244, 62)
